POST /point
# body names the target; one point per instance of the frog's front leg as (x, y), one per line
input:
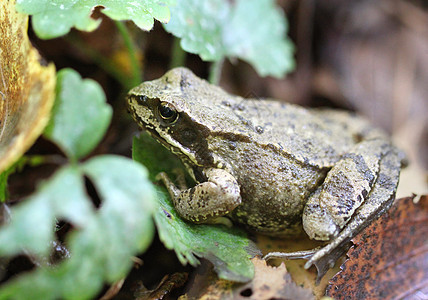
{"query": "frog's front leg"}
(345, 189)
(206, 201)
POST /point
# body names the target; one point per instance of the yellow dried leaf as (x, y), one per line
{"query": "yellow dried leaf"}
(268, 283)
(27, 89)
(303, 277)
(273, 283)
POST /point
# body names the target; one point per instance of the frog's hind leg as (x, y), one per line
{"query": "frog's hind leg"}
(346, 187)
(378, 201)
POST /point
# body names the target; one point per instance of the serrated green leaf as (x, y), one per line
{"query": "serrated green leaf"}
(256, 33)
(80, 116)
(200, 25)
(227, 248)
(55, 18)
(252, 30)
(32, 222)
(126, 212)
(101, 248)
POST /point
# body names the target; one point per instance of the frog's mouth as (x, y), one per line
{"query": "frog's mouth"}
(184, 154)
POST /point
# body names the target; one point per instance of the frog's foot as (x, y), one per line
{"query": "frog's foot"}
(378, 201)
(325, 257)
(305, 254)
(180, 178)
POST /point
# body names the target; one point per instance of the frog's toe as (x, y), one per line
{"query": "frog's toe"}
(326, 257)
(317, 223)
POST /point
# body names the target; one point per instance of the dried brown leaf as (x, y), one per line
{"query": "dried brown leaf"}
(167, 284)
(296, 267)
(273, 283)
(268, 283)
(389, 259)
(26, 87)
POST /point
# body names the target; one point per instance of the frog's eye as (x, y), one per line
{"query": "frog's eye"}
(167, 112)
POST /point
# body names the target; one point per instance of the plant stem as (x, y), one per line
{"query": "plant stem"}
(178, 55)
(135, 64)
(215, 71)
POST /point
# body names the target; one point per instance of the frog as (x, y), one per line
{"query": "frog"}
(276, 168)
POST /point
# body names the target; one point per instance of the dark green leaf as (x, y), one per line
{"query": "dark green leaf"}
(228, 249)
(154, 156)
(3, 185)
(33, 160)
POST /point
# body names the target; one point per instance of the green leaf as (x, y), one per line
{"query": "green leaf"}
(227, 248)
(80, 116)
(125, 216)
(257, 34)
(54, 18)
(31, 286)
(200, 25)
(103, 242)
(33, 221)
(154, 157)
(252, 30)
(3, 185)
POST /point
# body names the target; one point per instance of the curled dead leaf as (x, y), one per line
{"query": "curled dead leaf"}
(27, 88)
(389, 259)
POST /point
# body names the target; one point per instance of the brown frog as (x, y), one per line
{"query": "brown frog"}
(269, 165)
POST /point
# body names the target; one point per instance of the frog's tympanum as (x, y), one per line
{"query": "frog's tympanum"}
(271, 166)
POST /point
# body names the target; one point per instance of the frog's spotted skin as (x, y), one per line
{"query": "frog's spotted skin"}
(351, 178)
(216, 197)
(274, 162)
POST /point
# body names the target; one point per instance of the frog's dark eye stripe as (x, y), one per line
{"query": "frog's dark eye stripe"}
(167, 112)
(142, 99)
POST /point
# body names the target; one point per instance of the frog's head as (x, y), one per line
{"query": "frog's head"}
(164, 109)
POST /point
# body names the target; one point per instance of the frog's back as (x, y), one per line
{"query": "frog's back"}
(318, 137)
(313, 137)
